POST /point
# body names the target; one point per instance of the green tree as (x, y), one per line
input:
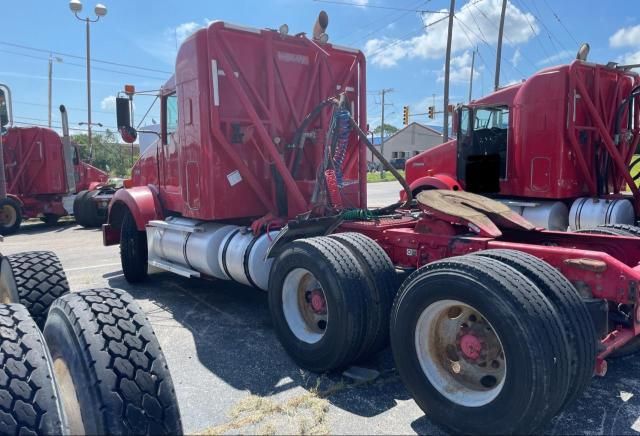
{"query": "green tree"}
(388, 129)
(108, 154)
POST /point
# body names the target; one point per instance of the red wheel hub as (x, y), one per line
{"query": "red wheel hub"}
(470, 346)
(318, 303)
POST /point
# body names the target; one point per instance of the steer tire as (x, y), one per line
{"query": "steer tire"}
(34, 279)
(90, 213)
(530, 334)
(133, 250)
(573, 313)
(29, 399)
(339, 341)
(50, 219)
(603, 230)
(382, 286)
(14, 216)
(112, 361)
(629, 230)
(78, 209)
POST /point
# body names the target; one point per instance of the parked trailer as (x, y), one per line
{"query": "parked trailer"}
(557, 148)
(260, 177)
(44, 176)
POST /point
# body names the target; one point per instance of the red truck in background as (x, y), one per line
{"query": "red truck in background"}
(44, 177)
(555, 148)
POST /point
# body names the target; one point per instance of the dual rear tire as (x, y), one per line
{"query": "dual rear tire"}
(330, 299)
(488, 342)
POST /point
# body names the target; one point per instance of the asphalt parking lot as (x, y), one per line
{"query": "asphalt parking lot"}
(232, 376)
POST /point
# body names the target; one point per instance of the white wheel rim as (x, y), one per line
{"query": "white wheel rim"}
(8, 287)
(69, 397)
(8, 215)
(460, 353)
(304, 305)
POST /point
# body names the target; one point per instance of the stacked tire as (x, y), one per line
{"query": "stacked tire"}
(85, 362)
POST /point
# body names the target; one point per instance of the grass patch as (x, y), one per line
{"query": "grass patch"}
(374, 177)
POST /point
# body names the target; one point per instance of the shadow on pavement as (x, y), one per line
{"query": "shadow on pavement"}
(234, 339)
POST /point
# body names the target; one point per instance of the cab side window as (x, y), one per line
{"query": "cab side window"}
(170, 108)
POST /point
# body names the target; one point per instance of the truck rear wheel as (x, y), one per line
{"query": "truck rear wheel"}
(34, 279)
(90, 212)
(382, 286)
(78, 210)
(133, 250)
(581, 333)
(10, 216)
(317, 292)
(29, 398)
(109, 366)
(479, 347)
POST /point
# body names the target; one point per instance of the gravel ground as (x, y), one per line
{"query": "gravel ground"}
(232, 376)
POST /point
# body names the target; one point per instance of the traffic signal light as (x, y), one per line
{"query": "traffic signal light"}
(405, 115)
(432, 112)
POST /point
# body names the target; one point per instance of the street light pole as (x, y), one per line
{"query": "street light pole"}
(89, 136)
(100, 11)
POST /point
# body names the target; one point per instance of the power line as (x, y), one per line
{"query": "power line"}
(25, 47)
(40, 119)
(68, 107)
(550, 34)
(376, 29)
(561, 23)
(368, 6)
(83, 66)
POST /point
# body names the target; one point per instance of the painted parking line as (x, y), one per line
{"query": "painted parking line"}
(91, 267)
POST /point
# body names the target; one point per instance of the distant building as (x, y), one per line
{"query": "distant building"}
(408, 142)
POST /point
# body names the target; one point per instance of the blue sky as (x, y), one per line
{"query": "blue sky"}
(402, 53)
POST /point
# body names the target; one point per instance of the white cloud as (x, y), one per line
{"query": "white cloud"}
(165, 47)
(474, 22)
(517, 56)
(361, 2)
(626, 37)
(108, 103)
(460, 71)
(554, 58)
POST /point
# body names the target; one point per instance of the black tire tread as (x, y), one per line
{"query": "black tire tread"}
(133, 250)
(78, 210)
(335, 260)
(132, 379)
(29, 401)
(40, 279)
(537, 315)
(381, 277)
(573, 313)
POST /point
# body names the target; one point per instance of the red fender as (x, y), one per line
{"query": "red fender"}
(438, 181)
(141, 201)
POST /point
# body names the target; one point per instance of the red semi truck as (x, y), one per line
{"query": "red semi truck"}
(556, 148)
(259, 176)
(44, 177)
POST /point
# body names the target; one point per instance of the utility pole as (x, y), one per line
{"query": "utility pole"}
(499, 51)
(447, 61)
(473, 60)
(383, 92)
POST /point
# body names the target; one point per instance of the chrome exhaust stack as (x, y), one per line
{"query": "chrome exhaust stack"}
(320, 28)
